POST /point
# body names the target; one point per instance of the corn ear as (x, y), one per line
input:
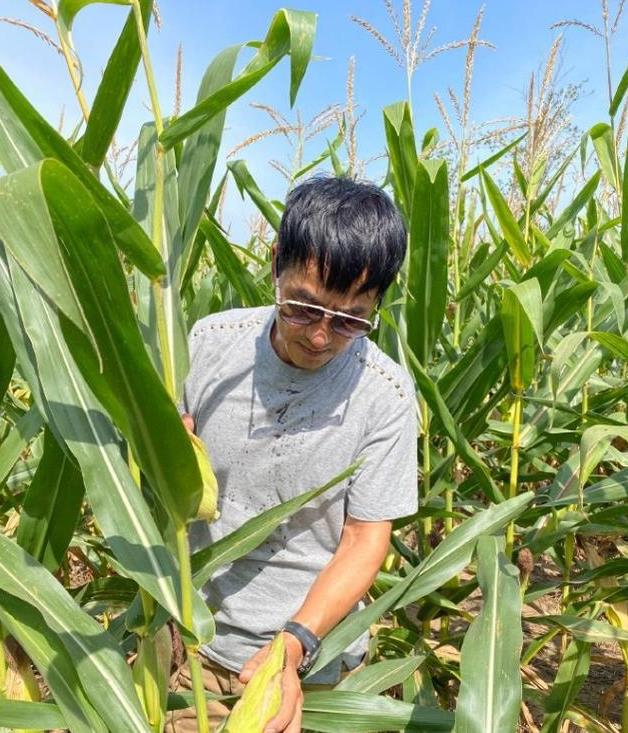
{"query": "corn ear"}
(207, 509)
(261, 698)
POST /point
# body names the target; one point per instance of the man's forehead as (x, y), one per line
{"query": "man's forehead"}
(304, 282)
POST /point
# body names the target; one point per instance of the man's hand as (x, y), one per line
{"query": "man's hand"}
(288, 719)
(188, 422)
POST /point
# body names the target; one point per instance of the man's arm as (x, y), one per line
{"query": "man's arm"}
(336, 590)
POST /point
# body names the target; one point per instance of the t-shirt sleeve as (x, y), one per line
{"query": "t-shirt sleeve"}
(385, 486)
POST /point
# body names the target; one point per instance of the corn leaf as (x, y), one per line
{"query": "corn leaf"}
(357, 712)
(245, 182)
(229, 263)
(253, 532)
(172, 250)
(26, 138)
(77, 418)
(19, 714)
(619, 94)
(617, 345)
(573, 209)
(7, 360)
(522, 318)
(99, 661)
(200, 152)
(572, 672)
(493, 159)
(401, 153)
(624, 213)
(51, 506)
(489, 702)
(290, 32)
(18, 439)
(507, 222)
(427, 260)
(27, 625)
(451, 555)
(604, 145)
(379, 677)
(114, 88)
(120, 374)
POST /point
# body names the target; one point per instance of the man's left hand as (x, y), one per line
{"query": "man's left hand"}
(288, 719)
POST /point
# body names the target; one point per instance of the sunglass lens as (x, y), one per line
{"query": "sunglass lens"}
(300, 315)
(350, 327)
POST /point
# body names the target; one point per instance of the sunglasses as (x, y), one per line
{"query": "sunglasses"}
(304, 314)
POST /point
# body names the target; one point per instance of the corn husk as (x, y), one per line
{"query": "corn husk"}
(261, 698)
(207, 509)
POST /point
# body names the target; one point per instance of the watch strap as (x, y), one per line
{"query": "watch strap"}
(309, 641)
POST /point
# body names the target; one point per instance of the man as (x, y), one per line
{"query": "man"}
(285, 398)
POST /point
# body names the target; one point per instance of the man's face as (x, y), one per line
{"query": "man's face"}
(313, 345)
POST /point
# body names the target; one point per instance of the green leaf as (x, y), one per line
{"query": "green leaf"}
(290, 32)
(71, 408)
(151, 673)
(584, 629)
(114, 88)
(245, 182)
(610, 489)
(401, 148)
(449, 558)
(559, 309)
(329, 148)
(573, 209)
(492, 159)
(624, 213)
(593, 445)
(509, 226)
(356, 712)
(490, 702)
(522, 318)
(451, 427)
(17, 440)
(7, 361)
(200, 152)
(121, 374)
(617, 345)
(51, 507)
(230, 264)
(19, 714)
(427, 259)
(572, 673)
(604, 144)
(253, 532)
(26, 138)
(44, 647)
(68, 9)
(171, 247)
(482, 272)
(614, 266)
(376, 678)
(99, 661)
(619, 94)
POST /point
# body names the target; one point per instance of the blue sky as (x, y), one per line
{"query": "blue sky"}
(520, 32)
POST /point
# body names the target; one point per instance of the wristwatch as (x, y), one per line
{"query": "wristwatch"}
(309, 641)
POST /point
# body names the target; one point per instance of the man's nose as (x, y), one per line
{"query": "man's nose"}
(320, 334)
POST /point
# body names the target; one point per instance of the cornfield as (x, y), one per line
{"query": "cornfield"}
(504, 598)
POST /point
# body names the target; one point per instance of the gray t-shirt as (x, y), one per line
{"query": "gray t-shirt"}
(274, 431)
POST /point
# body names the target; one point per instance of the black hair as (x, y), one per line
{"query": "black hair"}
(349, 228)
